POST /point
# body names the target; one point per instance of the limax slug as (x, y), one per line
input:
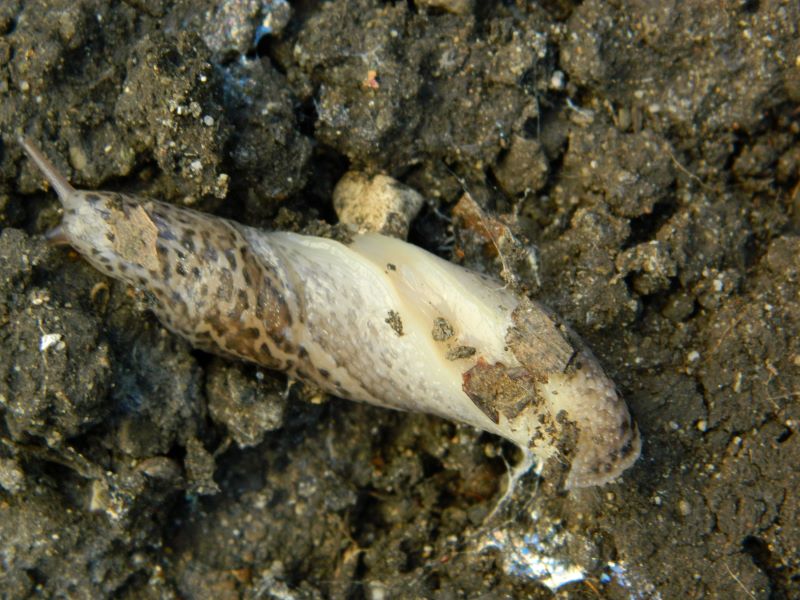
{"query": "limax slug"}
(376, 320)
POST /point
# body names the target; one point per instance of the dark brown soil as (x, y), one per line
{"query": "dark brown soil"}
(650, 151)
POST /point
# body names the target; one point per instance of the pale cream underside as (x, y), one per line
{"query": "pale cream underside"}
(347, 295)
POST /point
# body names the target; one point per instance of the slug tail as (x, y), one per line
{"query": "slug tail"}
(66, 193)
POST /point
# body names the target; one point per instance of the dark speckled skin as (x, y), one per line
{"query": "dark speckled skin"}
(205, 283)
(206, 278)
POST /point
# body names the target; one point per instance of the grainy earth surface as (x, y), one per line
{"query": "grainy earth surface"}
(650, 150)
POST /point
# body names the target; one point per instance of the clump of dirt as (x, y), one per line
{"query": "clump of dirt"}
(651, 156)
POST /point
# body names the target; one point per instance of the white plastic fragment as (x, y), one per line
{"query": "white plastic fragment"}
(48, 340)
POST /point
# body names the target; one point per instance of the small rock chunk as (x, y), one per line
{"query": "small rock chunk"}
(376, 204)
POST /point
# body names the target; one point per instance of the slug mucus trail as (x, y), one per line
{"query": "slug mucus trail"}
(376, 320)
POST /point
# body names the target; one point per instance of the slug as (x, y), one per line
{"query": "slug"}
(376, 320)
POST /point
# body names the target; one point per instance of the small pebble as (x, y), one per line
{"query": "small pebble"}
(48, 340)
(378, 204)
(12, 478)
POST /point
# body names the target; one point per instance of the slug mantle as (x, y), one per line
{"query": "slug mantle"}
(376, 320)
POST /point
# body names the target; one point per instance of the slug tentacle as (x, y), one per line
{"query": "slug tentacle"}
(66, 193)
(376, 320)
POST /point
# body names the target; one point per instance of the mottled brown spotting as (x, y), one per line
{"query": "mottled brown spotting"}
(209, 251)
(232, 307)
(166, 269)
(172, 299)
(119, 200)
(230, 255)
(181, 303)
(325, 373)
(110, 236)
(262, 302)
(225, 288)
(270, 303)
(235, 310)
(165, 231)
(496, 389)
(242, 300)
(282, 342)
(217, 324)
(251, 269)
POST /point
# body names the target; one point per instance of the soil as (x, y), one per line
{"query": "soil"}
(648, 151)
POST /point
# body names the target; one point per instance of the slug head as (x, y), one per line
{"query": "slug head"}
(111, 230)
(198, 271)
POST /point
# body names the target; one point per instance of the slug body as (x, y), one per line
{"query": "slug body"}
(376, 320)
